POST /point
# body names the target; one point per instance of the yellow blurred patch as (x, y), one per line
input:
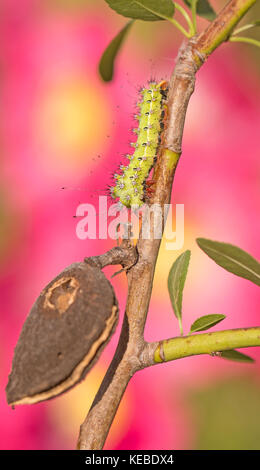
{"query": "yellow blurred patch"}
(201, 272)
(10, 228)
(67, 412)
(72, 123)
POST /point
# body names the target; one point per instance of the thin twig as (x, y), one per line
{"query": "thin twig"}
(125, 254)
(246, 40)
(203, 343)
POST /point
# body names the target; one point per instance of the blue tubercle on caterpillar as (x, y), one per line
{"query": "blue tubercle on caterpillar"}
(130, 184)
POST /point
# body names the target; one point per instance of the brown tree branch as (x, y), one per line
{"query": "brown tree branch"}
(125, 254)
(127, 358)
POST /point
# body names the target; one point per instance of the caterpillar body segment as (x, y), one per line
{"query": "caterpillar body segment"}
(129, 186)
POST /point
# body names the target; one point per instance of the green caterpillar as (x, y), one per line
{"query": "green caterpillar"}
(130, 185)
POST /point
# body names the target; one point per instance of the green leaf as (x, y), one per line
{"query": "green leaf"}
(235, 355)
(206, 322)
(176, 281)
(232, 258)
(204, 9)
(106, 64)
(134, 9)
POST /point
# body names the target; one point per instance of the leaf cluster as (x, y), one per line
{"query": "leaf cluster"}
(229, 257)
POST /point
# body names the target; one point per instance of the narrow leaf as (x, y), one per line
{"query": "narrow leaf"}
(176, 281)
(206, 322)
(136, 10)
(232, 258)
(204, 9)
(235, 355)
(106, 64)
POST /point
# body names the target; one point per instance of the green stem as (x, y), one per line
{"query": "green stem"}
(194, 13)
(168, 18)
(187, 18)
(245, 27)
(255, 42)
(180, 326)
(205, 343)
(179, 27)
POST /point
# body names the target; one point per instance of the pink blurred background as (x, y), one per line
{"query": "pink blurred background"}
(62, 127)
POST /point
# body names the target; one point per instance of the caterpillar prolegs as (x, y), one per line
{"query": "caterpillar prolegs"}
(131, 183)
